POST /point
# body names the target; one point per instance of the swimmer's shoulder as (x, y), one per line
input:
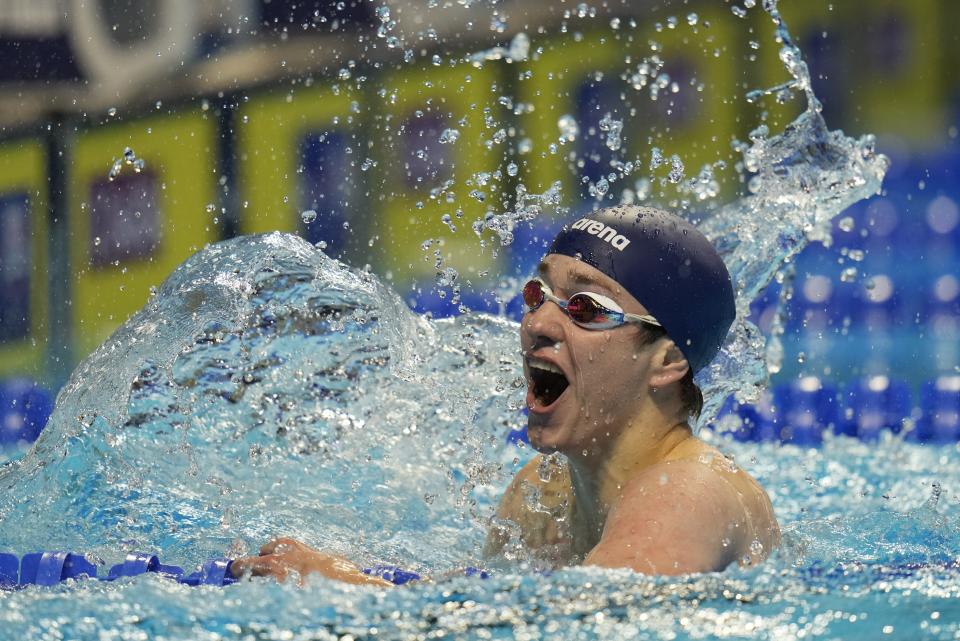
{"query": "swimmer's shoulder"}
(734, 487)
(683, 515)
(674, 517)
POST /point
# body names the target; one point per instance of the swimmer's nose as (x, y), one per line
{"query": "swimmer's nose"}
(545, 325)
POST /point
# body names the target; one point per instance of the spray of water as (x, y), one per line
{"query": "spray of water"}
(264, 375)
(800, 180)
(267, 389)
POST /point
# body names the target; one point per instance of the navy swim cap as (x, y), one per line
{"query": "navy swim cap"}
(667, 265)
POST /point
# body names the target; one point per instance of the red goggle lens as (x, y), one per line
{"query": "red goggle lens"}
(582, 309)
(533, 294)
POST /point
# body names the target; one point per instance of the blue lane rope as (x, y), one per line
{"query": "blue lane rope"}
(50, 568)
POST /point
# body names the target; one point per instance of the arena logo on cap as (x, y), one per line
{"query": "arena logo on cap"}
(603, 232)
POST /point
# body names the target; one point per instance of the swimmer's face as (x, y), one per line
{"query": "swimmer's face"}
(583, 385)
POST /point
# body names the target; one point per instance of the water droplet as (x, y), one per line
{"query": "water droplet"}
(600, 188)
(569, 129)
(846, 224)
(112, 111)
(308, 216)
(656, 158)
(96, 241)
(613, 129)
(519, 49)
(512, 169)
(676, 169)
(692, 19)
(449, 136)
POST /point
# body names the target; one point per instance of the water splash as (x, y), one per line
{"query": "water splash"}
(799, 181)
(268, 389)
(613, 130)
(518, 51)
(128, 159)
(569, 129)
(238, 403)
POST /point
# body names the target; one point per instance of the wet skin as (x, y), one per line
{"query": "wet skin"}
(634, 488)
(621, 481)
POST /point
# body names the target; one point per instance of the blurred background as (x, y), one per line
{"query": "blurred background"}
(407, 137)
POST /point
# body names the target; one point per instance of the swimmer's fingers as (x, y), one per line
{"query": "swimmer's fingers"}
(282, 545)
(267, 565)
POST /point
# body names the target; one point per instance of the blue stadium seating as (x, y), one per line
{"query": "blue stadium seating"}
(24, 410)
(761, 421)
(428, 299)
(940, 411)
(802, 411)
(872, 405)
(808, 409)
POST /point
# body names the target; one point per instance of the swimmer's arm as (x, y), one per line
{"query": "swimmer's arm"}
(672, 520)
(283, 558)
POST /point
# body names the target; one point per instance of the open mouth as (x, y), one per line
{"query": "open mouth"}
(547, 382)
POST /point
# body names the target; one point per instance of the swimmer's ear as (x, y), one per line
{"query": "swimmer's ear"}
(668, 364)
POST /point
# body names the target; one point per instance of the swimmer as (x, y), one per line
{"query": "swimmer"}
(627, 305)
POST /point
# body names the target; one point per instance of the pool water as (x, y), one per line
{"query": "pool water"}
(268, 390)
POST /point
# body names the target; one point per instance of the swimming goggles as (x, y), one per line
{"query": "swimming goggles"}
(586, 309)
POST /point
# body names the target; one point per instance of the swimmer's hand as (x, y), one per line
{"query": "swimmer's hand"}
(284, 558)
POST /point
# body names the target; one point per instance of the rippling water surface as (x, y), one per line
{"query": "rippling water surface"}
(268, 390)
